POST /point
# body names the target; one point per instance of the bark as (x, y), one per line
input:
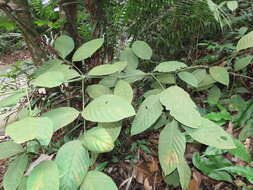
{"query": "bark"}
(69, 13)
(19, 12)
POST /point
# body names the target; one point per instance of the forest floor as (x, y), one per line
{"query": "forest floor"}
(6, 60)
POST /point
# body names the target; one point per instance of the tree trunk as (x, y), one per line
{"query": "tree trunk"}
(19, 12)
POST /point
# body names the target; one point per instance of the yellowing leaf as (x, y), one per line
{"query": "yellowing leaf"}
(245, 42)
(44, 176)
(171, 147)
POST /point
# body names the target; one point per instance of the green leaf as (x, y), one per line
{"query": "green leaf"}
(184, 172)
(171, 147)
(240, 170)
(110, 80)
(199, 74)
(61, 116)
(13, 176)
(232, 5)
(131, 59)
(185, 110)
(211, 134)
(170, 66)
(149, 111)
(240, 151)
(87, 49)
(132, 76)
(101, 70)
(214, 95)
(242, 63)
(166, 78)
(189, 78)
(142, 50)
(245, 42)
(23, 183)
(124, 90)
(9, 148)
(73, 162)
(46, 66)
(209, 166)
(206, 83)
(113, 129)
(108, 108)
(220, 74)
(30, 128)
(44, 176)
(49, 79)
(98, 140)
(96, 180)
(12, 100)
(64, 45)
(57, 66)
(96, 90)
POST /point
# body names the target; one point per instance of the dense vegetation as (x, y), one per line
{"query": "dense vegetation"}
(129, 94)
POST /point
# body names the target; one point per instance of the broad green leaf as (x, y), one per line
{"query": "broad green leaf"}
(211, 134)
(12, 100)
(170, 66)
(199, 74)
(108, 108)
(98, 140)
(131, 59)
(142, 50)
(212, 151)
(245, 42)
(206, 83)
(23, 183)
(57, 66)
(152, 92)
(31, 128)
(181, 107)
(73, 162)
(132, 76)
(110, 80)
(44, 176)
(97, 90)
(214, 95)
(189, 78)
(171, 147)
(149, 111)
(184, 172)
(232, 5)
(240, 151)
(112, 128)
(209, 166)
(220, 74)
(246, 132)
(101, 70)
(96, 180)
(64, 45)
(242, 62)
(87, 49)
(49, 79)
(13, 176)
(9, 148)
(172, 179)
(46, 66)
(61, 116)
(246, 172)
(121, 65)
(166, 78)
(124, 90)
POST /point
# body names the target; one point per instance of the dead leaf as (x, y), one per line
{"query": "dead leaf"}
(147, 185)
